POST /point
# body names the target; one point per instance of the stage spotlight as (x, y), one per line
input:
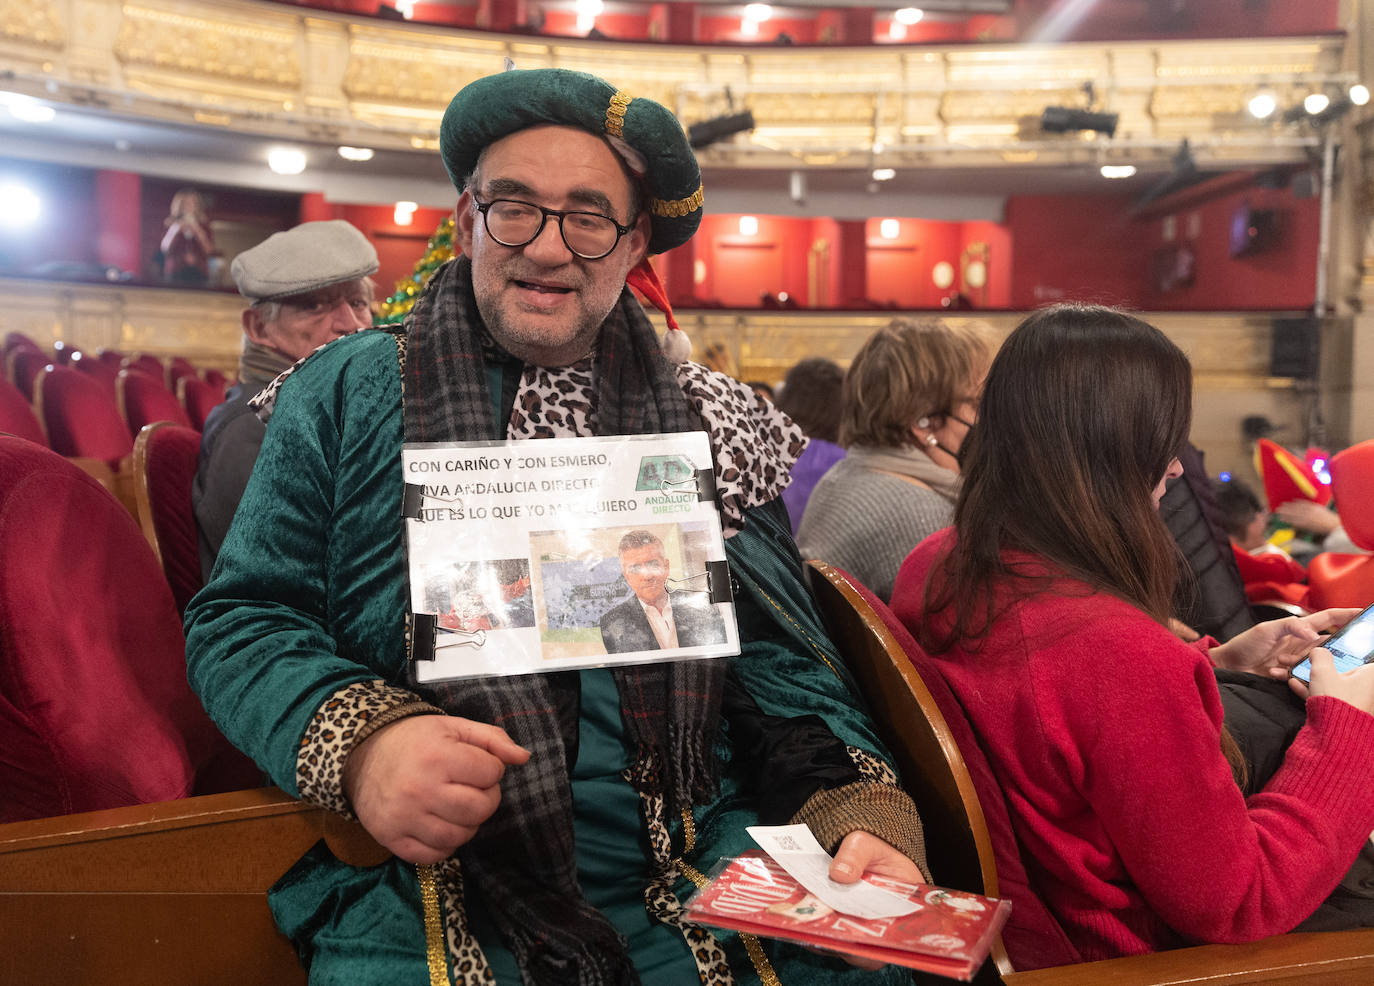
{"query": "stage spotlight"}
(1061, 119)
(1263, 104)
(707, 132)
(1359, 94)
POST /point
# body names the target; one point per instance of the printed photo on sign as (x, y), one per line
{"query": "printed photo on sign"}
(625, 590)
(480, 595)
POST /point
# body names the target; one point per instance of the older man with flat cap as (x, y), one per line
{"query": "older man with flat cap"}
(306, 286)
(545, 828)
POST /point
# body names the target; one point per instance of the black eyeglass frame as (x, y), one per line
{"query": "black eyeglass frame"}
(620, 230)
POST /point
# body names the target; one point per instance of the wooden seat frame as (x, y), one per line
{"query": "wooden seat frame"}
(172, 893)
(958, 843)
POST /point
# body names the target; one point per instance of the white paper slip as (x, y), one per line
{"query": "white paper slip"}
(796, 850)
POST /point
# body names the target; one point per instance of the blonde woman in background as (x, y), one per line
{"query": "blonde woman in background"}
(908, 400)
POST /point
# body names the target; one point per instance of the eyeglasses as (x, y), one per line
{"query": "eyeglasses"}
(588, 235)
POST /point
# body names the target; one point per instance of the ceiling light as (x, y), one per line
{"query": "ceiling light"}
(1316, 102)
(896, 32)
(889, 229)
(884, 174)
(748, 226)
(908, 15)
(27, 108)
(355, 153)
(19, 205)
(749, 28)
(406, 8)
(1359, 94)
(1262, 104)
(286, 160)
(404, 213)
(757, 12)
(1118, 170)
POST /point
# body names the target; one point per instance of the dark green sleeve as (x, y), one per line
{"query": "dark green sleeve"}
(307, 597)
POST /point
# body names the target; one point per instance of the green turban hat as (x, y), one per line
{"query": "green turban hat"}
(499, 105)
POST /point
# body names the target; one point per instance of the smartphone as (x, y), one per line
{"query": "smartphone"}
(1351, 646)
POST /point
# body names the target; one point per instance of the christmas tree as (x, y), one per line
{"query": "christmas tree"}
(438, 252)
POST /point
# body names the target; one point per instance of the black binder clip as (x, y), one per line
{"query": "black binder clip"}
(412, 500)
(422, 631)
(717, 576)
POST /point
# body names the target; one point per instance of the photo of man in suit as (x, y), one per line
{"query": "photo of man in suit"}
(651, 619)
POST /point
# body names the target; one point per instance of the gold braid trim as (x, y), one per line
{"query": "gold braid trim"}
(615, 113)
(767, 975)
(677, 208)
(434, 932)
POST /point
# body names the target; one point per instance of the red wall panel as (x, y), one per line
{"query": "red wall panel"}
(1081, 248)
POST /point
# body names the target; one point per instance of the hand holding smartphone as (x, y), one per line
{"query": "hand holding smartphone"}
(1350, 646)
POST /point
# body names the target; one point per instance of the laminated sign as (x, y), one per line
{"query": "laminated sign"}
(550, 555)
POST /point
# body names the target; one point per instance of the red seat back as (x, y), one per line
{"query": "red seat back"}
(145, 363)
(81, 418)
(218, 380)
(144, 399)
(17, 340)
(199, 398)
(177, 368)
(165, 461)
(95, 709)
(23, 365)
(102, 371)
(16, 416)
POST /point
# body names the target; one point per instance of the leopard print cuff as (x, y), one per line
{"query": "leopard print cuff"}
(882, 809)
(346, 718)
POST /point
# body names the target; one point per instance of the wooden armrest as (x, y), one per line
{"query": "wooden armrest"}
(174, 892)
(1332, 958)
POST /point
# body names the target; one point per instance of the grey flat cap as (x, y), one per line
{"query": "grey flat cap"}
(306, 258)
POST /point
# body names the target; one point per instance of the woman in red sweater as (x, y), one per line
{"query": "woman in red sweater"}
(1045, 610)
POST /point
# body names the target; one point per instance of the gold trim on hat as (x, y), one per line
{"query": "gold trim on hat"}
(615, 113)
(677, 208)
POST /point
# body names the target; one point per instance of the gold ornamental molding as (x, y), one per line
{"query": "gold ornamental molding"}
(168, 39)
(30, 23)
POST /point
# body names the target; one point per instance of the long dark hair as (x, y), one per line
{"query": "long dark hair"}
(1082, 411)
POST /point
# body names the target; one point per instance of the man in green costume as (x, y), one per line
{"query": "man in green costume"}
(545, 827)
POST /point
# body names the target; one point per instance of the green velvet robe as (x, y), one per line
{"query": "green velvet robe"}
(309, 595)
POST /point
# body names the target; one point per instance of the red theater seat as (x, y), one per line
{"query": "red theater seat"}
(81, 418)
(1348, 580)
(102, 371)
(199, 398)
(144, 399)
(17, 340)
(16, 416)
(218, 380)
(95, 710)
(165, 460)
(178, 367)
(145, 363)
(22, 367)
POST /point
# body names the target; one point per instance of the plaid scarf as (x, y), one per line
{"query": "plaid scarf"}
(523, 857)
